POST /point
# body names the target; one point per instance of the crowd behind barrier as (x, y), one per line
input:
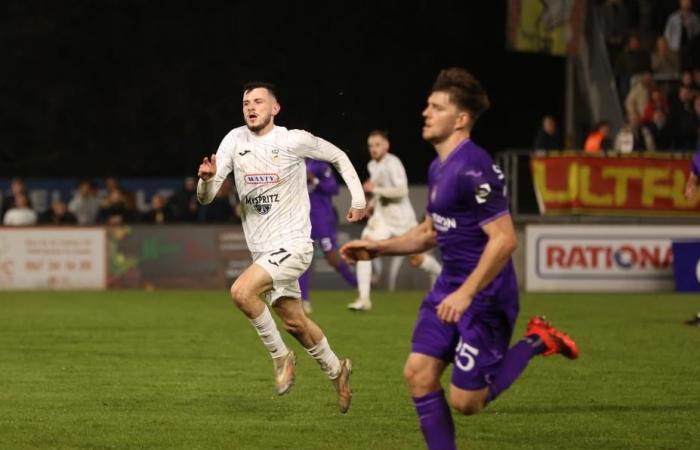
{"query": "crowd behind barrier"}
(112, 202)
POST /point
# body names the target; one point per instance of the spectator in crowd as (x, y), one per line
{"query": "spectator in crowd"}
(20, 214)
(598, 139)
(17, 188)
(547, 137)
(85, 205)
(183, 205)
(632, 136)
(638, 96)
(221, 209)
(158, 213)
(112, 184)
(615, 27)
(681, 26)
(660, 131)
(115, 210)
(631, 61)
(664, 61)
(58, 214)
(695, 80)
(684, 121)
(688, 81)
(657, 100)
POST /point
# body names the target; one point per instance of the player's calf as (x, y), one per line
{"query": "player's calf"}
(468, 403)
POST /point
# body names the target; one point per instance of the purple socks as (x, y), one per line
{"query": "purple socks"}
(436, 421)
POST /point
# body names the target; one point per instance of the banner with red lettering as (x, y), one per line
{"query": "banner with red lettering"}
(579, 184)
(602, 258)
(52, 258)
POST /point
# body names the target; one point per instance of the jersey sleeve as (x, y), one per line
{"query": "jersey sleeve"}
(484, 189)
(306, 145)
(206, 190)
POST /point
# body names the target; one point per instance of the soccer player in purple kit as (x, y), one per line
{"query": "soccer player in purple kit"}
(691, 191)
(468, 316)
(323, 186)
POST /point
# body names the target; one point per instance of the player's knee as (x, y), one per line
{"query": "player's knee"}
(418, 380)
(240, 294)
(466, 406)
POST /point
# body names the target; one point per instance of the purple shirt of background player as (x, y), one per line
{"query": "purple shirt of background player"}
(691, 186)
(322, 187)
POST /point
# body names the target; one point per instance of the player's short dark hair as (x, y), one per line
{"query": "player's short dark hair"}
(379, 132)
(465, 91)
(249, 86)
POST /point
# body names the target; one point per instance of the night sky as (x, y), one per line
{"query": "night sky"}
(139, 88)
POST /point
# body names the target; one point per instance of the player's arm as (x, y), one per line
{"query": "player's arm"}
(691, 186)
(418, 239)
(310, 146)
(502, 242)
(212, 173)
(399, 181)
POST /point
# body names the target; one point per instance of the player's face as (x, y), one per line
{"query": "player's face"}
(259, 109)
(441, 118)
(378, 147)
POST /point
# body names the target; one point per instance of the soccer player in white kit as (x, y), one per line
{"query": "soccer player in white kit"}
(269, 168)
(393, 214)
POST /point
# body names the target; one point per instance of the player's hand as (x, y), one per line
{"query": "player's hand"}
(355, 215)
(453, 306)
(208, 168)
(368, 186)
(359, 250)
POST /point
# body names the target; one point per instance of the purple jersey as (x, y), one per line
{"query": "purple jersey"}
(467, 191)
(323, 216)
(696, 163)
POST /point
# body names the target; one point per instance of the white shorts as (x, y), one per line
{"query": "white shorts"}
(285, 266)
(377, 229)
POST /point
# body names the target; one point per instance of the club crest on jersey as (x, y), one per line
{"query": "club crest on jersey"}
(261, 178)
(275, 155)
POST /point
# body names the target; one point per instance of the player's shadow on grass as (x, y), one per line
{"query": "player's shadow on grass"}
(593, 407)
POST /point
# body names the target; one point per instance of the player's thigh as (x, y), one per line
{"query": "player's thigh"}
(253, 281)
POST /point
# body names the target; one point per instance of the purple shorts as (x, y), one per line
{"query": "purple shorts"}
(476, 344)
(323, 233)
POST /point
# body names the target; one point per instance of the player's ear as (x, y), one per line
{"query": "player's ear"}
(463, 120)
(276, 109)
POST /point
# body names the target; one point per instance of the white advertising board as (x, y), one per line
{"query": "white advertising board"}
(602, 258)
(53, 258)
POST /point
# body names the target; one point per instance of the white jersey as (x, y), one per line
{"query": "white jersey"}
(270, 174)
(391, 204)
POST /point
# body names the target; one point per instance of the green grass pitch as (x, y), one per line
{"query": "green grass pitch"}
(185, 370)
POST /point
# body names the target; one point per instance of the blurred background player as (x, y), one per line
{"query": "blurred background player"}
(270, 174)
(322, 187)
(469, 315)
(691, 191)
(392, 215)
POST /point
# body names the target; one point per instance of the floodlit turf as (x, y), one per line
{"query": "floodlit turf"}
(166, 370)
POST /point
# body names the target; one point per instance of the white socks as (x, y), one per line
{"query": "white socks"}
(267, 330)
(329, 362)
(364, 277)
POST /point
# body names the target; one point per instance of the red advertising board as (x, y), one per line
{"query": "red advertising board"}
(571, 184)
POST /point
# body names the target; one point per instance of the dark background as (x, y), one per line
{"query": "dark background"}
(139, 88)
